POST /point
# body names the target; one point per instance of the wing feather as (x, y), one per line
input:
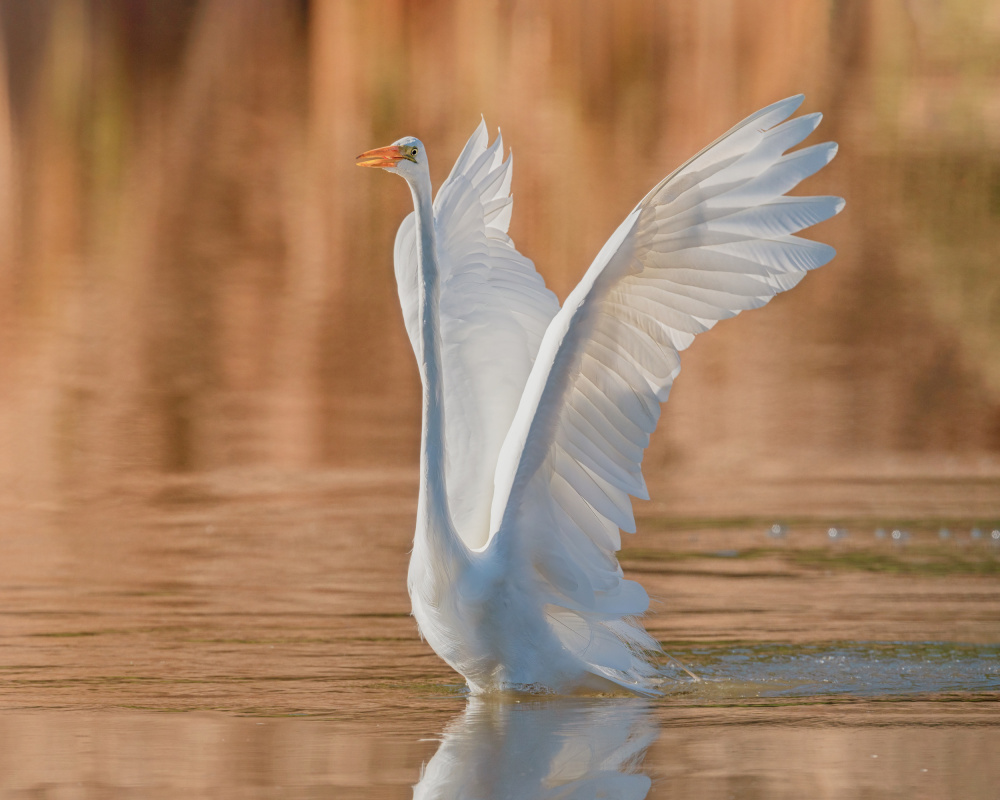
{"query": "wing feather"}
(711, 240)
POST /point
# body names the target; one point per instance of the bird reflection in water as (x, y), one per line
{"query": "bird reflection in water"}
(554, 748)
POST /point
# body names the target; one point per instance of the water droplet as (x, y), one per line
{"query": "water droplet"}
(975, 533)
(880, 533)
(777, 531)
(944, 533)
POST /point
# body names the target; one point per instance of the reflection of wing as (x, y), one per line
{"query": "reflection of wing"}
(556, 749)
(494, 310)
(712, 239)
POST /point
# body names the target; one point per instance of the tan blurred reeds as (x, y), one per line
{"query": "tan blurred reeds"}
(195, 277)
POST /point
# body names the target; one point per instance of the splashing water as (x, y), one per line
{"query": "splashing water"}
(863, 669)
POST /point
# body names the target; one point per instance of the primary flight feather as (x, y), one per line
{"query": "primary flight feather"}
(535, 417)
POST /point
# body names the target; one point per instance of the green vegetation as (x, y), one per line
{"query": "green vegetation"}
(653, 523)
(911, 560)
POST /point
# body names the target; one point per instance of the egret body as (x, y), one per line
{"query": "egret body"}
(535, 417)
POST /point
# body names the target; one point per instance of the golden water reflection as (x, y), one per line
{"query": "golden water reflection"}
(834, 753)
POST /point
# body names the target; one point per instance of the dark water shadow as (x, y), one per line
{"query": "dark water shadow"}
(870, 670)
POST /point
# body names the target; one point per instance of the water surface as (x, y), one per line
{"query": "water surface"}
(828, 667)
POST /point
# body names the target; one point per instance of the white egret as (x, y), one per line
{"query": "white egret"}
(535, 417)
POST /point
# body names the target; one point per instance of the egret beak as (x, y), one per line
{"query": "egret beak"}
(380, 157)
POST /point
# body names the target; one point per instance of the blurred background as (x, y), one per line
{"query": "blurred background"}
(196, 280)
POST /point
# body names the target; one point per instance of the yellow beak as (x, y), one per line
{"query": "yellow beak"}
(380, 157)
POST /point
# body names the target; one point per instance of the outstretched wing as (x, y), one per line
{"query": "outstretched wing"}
(494, 311)
(712, 239)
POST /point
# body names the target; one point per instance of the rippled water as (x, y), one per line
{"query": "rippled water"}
(609, 748)
(271, 612)
(882, 670)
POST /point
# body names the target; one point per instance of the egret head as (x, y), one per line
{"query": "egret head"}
(404, 157)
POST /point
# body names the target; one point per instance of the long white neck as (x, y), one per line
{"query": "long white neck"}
(433, 515)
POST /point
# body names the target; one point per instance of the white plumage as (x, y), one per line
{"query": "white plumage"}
(579, 749)
(535, 417)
